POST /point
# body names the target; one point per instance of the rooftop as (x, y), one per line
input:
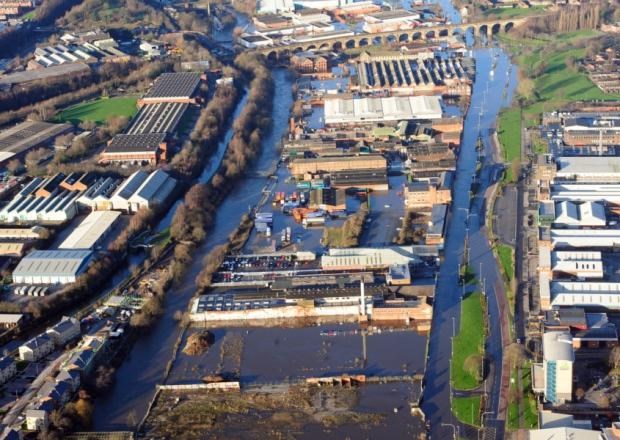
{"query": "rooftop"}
(174, 85)
(52, 262)
(558, 346)
(135, 142)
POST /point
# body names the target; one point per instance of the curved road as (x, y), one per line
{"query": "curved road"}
(490, 94)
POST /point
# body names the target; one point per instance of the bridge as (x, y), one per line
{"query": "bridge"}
(339, 42)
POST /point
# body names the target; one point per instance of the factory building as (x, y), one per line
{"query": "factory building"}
(388, 21)
(17, 141)
(42, 200)
(372, 179)
(328, 199)
(582, 130)
(97, 197)
(141, 149)
(91, 231)
(583, 192)
(367, 258)
(424, 194)
(588, 169)
(173, 87)
(576, 293)
(408, 74)
(568, 264)
(586, 214)
(51, 266)
(143, 190)
(300, 167)
(585, 238)
(391, 109)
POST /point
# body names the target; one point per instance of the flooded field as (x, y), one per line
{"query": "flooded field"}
(265, 355)
(296, 412)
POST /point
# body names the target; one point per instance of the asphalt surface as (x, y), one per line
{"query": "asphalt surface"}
(437, 393)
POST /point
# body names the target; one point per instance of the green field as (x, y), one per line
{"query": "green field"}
(509, 133)
(99, 110)
(555, 82)
(512, 12)
(467, 409)
(506, 259)
(468, 344)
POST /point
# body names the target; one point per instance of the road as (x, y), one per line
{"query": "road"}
(437, 393)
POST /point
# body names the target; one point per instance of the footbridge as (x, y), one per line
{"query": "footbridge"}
(340, 41)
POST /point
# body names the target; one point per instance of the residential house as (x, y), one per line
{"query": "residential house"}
(67, 329)
(36, 348)
(8, 369)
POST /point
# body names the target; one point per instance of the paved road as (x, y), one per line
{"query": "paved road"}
(436, 402)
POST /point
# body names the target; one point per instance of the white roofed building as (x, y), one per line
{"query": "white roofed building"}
(390, 109)
(92, 229)
(51, 266)
(143, 190)
(557, 368)
(603, 169)
(585, 214)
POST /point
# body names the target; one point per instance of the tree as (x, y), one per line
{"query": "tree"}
(614, 357)
(526, 88)
(15, 167)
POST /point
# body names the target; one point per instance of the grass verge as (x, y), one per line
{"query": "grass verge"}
(468, 345)
(506, 259)
(467, 409)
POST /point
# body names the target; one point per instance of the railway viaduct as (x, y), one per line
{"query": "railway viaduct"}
(342, 42)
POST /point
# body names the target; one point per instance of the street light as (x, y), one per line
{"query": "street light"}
(482, 422)
(453, 429)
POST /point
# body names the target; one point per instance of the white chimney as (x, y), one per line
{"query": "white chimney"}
(362, 299)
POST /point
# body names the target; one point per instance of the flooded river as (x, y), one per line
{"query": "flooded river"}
(277, 354)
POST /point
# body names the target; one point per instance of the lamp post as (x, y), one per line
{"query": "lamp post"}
(453, 429)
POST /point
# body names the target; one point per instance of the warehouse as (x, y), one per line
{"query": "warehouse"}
(173, 87)
(328, 199)
(91, 231)
(586, 192)
(13, 249)
(419, 73)
(423, 194)
(367, 258)
(158, 118)
(42, 200)
(299, 167)
(141, 149)
(143, 190)
(571, 214)
(585, 238)
(97, 197)
(568, 264)
(602, 169)
(374, 180)
(17, 141)
(51, 266)
(583, 294)
(369, 110)
(25, 234)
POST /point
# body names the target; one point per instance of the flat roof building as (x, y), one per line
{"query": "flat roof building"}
(145, 148)
(582, 294)
(585, 192)
(558, 359)
(91, 230)
(588, 169)
(51, 266)
(585, 238)
(173, 87)
(392, 109)
(16, 141)
(373, 179)
(299, 167)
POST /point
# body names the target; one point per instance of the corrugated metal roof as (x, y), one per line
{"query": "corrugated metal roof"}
(90, 230)
(52, 263)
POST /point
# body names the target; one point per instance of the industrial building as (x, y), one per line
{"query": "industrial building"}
(578, 293)
(388, 21)
(373, 179)
(567, 264)
(556, 372)
(425, 194)
(23, 234)
(173, 87)
(408, 74)
(97, 197)
(391, 109)
(584, 192)
(91, 230)
(42, 200)
(581, 130)
(86, 52)
(368, 258)
(585, 238)
(141, 149)
(602, 169)
(328, 199)
(300, 167)
(437, 225)
(585, 214)
(143, 190)
(158, 118)
(16, 141)
(51, 266)
(26, 76)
